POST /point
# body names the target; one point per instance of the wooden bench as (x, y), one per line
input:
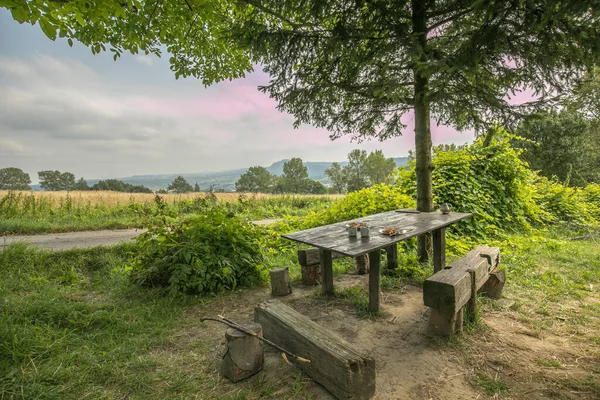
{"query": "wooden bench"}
(335, 364)
(448, 291)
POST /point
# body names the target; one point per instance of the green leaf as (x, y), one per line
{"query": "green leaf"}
(48, 29)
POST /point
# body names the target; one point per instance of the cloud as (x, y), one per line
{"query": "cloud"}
(114, 121)
(145, 59)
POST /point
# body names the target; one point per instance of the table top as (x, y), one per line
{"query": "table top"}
(335, 236)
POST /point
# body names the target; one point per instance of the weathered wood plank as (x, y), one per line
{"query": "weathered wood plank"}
(311, 256)
(374, 279)
(335, 363)
(450, 289)
(335, 236)
(326, 271)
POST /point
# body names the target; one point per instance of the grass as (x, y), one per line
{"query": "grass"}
(491, 386)
(43, 212)
(72, 325)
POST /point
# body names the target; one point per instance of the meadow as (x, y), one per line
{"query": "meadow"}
(24, 212)
(123, 322)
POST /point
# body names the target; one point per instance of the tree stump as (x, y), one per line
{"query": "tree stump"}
(362, 264)
(280, 282)
(311, 274)
(244, 355)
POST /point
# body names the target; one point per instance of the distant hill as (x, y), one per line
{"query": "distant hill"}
(226, 179)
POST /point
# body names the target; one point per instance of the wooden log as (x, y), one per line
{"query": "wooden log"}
(374, 279)
(494, 285)
(244, 355)
(307, 257)
(311, 274)
(362, 264)
(335, 363)
(326, 270)
(280, 282)
(450, 289)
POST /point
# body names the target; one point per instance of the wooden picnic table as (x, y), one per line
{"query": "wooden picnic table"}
(409, 223)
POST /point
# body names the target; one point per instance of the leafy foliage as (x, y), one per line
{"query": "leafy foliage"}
(119, 186)
(255, 180)
(379, 168)
(356, 172)
(56, 180)
(563, 145)
(489, 181)
(12, 178)
(337, 177)
(180, 185)
(209, 253)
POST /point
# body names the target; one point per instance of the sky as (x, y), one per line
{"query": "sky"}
(65, 109)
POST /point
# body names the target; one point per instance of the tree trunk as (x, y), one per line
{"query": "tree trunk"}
(422, 129)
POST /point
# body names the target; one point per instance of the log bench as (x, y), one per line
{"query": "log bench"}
(450, 290)
(334, 363)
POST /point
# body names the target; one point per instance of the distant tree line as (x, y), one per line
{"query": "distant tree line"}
(12, 178)
(293, 180)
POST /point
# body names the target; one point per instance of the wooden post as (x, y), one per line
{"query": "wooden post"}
(311, 274)
(244, 355)
(280, 282)
(326, 270)
(439, 249)
(445, 322)
(392, 256)
(362, 264)
(374, 279)
(494, 285)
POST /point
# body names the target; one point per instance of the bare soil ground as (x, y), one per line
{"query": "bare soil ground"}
(503, 357)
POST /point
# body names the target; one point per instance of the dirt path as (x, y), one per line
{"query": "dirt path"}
(86, 239)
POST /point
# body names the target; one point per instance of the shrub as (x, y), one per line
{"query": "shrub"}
(372, 200)
(208, 253)
(491, 182)
(562, 203)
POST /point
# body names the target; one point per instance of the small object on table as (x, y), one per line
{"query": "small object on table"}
(364, 231)
(352, 231)
(389, 231)
(445, 208)
(280, 282)
(244, 354)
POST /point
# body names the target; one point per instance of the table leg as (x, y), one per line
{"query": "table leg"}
(374, 279)
(392, 256)
(439, 249)
(326, 270)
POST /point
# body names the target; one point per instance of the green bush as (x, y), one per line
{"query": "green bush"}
(372, 200)
(591, 196)
(491, 182)
(562, 203)
(208, 253)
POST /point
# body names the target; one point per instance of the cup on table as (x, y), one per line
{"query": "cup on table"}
(352, 231)
(364, 231)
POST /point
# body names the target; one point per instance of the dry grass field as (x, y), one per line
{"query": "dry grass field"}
(110, 199)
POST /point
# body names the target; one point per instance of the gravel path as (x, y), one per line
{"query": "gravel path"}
(86, 239)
